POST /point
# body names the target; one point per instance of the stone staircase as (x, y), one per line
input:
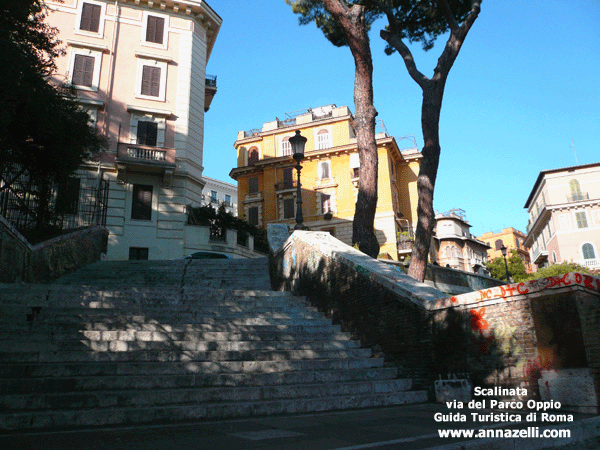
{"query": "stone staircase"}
(140, 342)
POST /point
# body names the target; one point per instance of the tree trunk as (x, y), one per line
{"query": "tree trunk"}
(352, 21)
(430, 116)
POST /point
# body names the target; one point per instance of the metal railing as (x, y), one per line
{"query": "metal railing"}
(211, 80)
(578, 197)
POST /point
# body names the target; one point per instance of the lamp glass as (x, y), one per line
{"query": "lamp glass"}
(503, 250)
(298, 142)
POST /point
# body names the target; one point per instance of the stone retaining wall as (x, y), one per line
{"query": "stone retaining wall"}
(44, 262)
(500, 336)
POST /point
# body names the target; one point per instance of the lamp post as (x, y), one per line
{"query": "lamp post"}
(503, 249)
(298, 142)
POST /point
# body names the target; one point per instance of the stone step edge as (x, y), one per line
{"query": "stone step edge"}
(184, 413)
(283, 391)
(246, 379)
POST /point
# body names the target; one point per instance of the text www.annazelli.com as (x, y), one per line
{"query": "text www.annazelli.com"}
(529, 432)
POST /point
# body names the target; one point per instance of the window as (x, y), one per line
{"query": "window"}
(147, 133)
(323, 139)
(288, 208)
(286, 147)
(325, 203)
(90, 17)
(581, 219)
(152, 79)
(324, 170)
(141, 203)
(227, 200)
(252, 185)
(288, 178)
(554, 259)
(576, 194)
(155, 27)
(253, 215)
(498, 244)
(67, 196)
(83, 71)
(252, 155)
(84, 68)
(588, 251)
(138, 253)
(518, 243)
(213, 197)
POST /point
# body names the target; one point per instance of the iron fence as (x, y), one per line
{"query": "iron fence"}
(82, 201)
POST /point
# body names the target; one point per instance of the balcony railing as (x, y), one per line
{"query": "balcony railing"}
(580, 196)
(281, 185)
(211, 80)
(145, 153)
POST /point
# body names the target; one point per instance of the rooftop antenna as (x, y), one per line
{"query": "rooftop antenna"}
(574, 152)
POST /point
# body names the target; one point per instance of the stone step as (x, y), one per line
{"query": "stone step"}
(188, 380)
(20, 346)
(183, 396)
(239, 333)
(64, 369)
(41, 420)
(124, 354)
(41, 296)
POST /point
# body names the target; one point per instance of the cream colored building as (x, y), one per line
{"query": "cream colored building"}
(139, 68)
(455, 246)
(217, 193)
(564, 216)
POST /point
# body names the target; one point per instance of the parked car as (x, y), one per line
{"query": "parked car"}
(208, 255)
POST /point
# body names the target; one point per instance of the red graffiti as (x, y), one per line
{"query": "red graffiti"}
(510, 289)
(478, 323)
(453, 299)
(519, 286)
(578, 278)
(587, 282)
(485, 294)
(483, 342)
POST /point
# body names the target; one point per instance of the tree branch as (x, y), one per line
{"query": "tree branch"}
(394, 41)
(455, 42)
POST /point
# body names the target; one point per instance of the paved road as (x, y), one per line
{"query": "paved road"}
(403, 427)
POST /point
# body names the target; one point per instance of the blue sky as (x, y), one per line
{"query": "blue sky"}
(526, 83)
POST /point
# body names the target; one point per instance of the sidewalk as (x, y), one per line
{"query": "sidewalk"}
(400, 427)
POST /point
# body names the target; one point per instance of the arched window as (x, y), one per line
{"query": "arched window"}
(448, 251)
(252, 155)
(498, 244)
(588, 251)
(576, 194)
(323, 139)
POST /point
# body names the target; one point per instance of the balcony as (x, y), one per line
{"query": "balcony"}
(539, 256)
(285, 185)
(210, 89)
(578, 197)
(146, 159)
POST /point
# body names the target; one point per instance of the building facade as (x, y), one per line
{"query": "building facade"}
(512, 239)
(455, 246)
(564, 216)
(267, 179)
(139, 68)
(217, 193)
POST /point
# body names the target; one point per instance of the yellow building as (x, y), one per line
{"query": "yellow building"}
(267, 179)
(511, 238)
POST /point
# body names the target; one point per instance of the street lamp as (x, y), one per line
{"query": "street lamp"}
(503, 249)
(298, 142)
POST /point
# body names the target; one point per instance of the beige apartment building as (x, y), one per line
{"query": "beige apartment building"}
(139, 68)
(455, 246)
(564, 216)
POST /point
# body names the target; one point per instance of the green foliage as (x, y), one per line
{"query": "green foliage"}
(516, 267)
(43, 131)
(418, 21)
(207, 215)
(559, 269)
